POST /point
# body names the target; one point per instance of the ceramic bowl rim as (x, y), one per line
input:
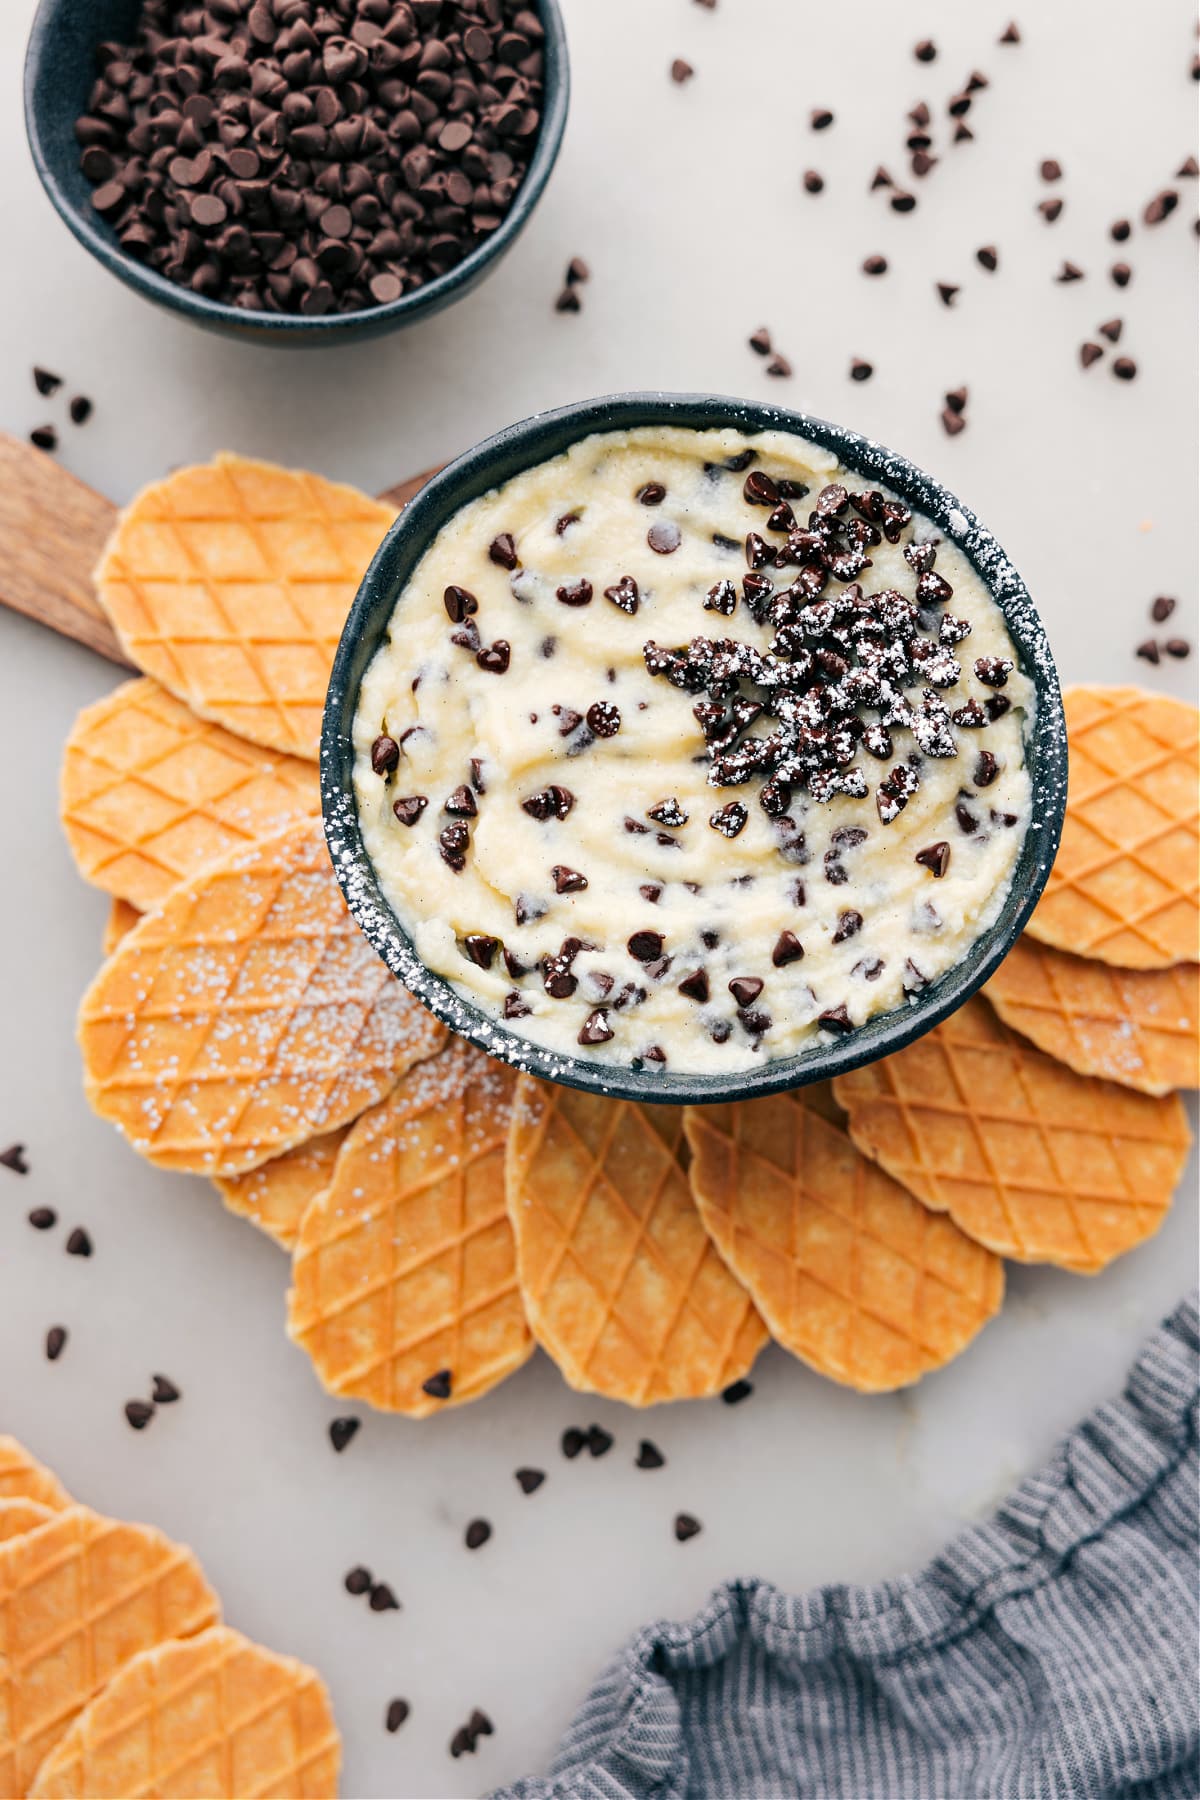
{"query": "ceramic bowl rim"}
(535, 440)
(97, 237)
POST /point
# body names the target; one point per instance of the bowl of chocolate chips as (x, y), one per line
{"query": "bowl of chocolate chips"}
(684, 748)
(302, 171)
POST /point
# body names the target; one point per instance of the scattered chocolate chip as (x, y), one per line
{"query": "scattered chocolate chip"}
(1051, 170)
(459, 603)
(736, 1392)
(599, 1441)
(1161, 207)
(788, 949)
(357, 1581)
(503, 550)
(385, 754)
(595, 1029)
(947, 293)
(477, 1534)
(529, 1480)
(901, 202)
(1148, 652)
(409, 809)
(603, 718)
(925, 51)
(341, 1431)
(1010, 35)
(813, 182)
(79, 1243)
(575, 593)
(1050, 209)
(664, 537)
(80, 409)
(46, 383)
(42, 1218)
(1111, 329)
(164, 1391)
(382, 1599)
(681, 71)
(1178, 648)
(1090, 353)
(624, 594)
(649, 1456)
(875, 265)
(461, 803)
(760, 341)
(695, 986)
(14, 1158)
(956, 400)
(1124, 368)
(1121, 274)
(953, 422)
(988, 258)
(1162, 608)
(481, 949)
(836, 1018)
(935, 858)
(397, 1712)
(686, 1526)
(56, 1343)
(438, 1386)
(572, 1442)
(820, 118)
(849, 925)
(577, 271)
(745, 989)
(1188, 169)
(568, 301)
(730, 819)
(44, 437)
(860, 370)
(1120, 230)
(139, 1413)
(779, 366)
(1069, 272)
(645, 946)
(651, 493)
(986, 769)
(567, 881)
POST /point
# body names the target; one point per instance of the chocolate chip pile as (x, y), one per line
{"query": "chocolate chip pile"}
(312, 156)
(832, 659)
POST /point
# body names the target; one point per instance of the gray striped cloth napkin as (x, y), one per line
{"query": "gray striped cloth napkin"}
(1050, 1654)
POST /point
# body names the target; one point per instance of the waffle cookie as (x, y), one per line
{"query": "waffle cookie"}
(850, 1273)
(78, 1597)
(209, 1715)
(120, 921)
(1140, 1027)
(404, 1283)
(1124, 886)
(18, 1516)
(230, 582)
(622, 1285)
(1036, 1162)
(151, 795)
(246, 1015)
(22, 1477)
(275, 1195)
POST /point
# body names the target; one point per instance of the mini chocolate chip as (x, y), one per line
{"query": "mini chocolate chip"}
(14, 1158)
(1124, 368)
(139, 1413)
(56, 1342)
(43, 1217)
(652, 493)
(357, 1580)
(695, 986)
(1121, 274)
(477, 1534)
(385, 754)
(875, 265)
(1148, 651)
(849, 925)
(567, 881)
(79, 1243)
(438, 1386)
(664, 536)
(813, 182)
(953, 422)
(1111, 329)
(820, 118)
(568, 301)
(599, 1441)
(595, 1028)
(572, 1442)
(46, 383)
(1162, 608)
(935, 858)
(988, 258)
(164, 1391)
(565, 523)
(409, 809)
(649, 1456)
(397, 1712)
(1120, 230)
(645, 946)
(576, 593)
(515, 1007)
(668, 812)
(461, 803)
(651, 891)
(681, 71)
(745, 989)
(624, 593)
(481, 949)
(986, 769)
(925, 51)
(604, 719)
(459, 602)
(947, 292)
(530, 1480)
(756, 1023)
(788, 949)
(1178, 648)
(503, 550)
(836, 1018)
(730, 819)
(686, 1526)
(44, 437)
(860, 370)
(1050, 209)
(780, 366)
(736, 1392)
(382, 1599)
(1090, 353)
(341, 1431)
(496, 658)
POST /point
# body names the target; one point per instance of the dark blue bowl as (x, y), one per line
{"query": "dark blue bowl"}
(59, 71)
(534, 441)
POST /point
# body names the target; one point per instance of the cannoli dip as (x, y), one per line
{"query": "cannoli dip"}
(685, 747)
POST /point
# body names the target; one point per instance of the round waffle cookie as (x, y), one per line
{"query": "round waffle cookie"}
(18, 1516)
(275, 1196)
(851, 1273)
(1140, 1027)
(120, 921)
(78, 1597)
(1036, 1162)
(211, 1715)
(404, 1282)
(151, 795)
(247, 1015)
(622, 1284)
(230, 582)
(23, 1477)
(1125, 886)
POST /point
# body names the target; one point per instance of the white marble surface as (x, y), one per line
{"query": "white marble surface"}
(688, 205)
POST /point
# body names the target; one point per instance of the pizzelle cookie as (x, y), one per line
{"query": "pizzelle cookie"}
(78, 1597)
(247, 1015)
(230, 582)
(275, 1195)
(850, 1272)
(404, 1282)
(19, 1515)
(23, 1477)
(1140, 1027)
(210, 1715)
(151, 794)
(622, 1284)
(120, 922)
(1036, 1162)
(1124, 886)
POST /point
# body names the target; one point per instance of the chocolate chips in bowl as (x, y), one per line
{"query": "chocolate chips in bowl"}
(308, 170)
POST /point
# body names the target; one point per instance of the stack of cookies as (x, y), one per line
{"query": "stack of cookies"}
(443, 1214)
(118, 1679)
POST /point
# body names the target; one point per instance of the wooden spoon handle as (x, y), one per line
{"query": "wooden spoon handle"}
(52, 531)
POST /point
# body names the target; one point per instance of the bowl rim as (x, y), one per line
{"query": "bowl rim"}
(537, 439)
(97, 237)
